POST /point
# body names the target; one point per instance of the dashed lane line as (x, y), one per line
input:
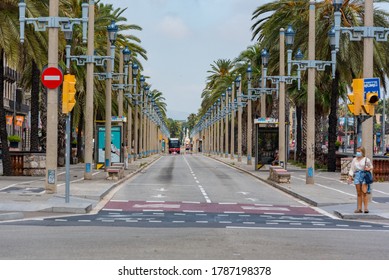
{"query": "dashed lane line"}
(203, 192)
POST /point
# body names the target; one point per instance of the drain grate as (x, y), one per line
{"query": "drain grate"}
(381, 199)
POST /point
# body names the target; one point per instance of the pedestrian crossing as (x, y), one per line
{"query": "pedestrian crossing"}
(153, 214)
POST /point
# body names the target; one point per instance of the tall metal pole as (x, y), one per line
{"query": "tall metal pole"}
(52, 107)
(221, 129)
(129, 121)
(108, 107)
(141, 124)
(136, 122)
(226, 123)
(214, 131)
(368, 45)
(233, 121)
(383, 123)
(249, 125)
(120, 98)
(239, 122)
(89, 94)
(217, 131)
(311, 99)
(67, 175)
(281, 118)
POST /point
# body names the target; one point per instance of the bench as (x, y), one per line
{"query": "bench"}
(116, 171)
(279, 174)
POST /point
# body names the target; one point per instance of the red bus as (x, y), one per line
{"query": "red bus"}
(174, 145)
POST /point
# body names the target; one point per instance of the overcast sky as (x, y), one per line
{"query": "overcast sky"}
(183, 38)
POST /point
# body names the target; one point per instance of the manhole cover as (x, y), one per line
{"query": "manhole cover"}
(381, 199)
(23, 190)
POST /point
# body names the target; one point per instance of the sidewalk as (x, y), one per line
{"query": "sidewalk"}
(24, 196)
(328, 193)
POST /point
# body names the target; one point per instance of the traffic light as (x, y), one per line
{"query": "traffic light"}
(371, 100)
(68, 93)
(356, 98)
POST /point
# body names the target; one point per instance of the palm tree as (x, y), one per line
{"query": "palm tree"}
(104, 15)
(278, 14)
(17, 57)
(175, 128)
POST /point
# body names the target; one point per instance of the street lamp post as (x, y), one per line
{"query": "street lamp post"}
(52, 23)
(249, 116)
(228, 96)
(280, 81)
(249, 97)
(89, 95)
(217, 126)
(112, 35)
(238, 85)
(232, 93)
(221, 116)
(312, 65)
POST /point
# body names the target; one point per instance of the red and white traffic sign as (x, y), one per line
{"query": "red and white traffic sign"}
(52, 77)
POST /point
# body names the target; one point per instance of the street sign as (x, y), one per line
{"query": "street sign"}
(265, 121)
(52, 77)
(371, 85)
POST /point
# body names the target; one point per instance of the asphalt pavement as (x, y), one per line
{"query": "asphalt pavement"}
(24, 196)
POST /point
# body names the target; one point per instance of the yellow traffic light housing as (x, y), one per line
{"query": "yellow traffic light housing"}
(68, 93)
(356, 98)
(371, 100)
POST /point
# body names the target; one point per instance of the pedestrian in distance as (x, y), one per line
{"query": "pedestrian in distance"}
(359, 165)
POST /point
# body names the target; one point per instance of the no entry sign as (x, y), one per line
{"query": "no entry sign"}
(52, 77)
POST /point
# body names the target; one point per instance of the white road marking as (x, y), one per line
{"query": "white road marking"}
(51, 78)
(265, 208)
(109, 209)
(157, 205)
(203, 192)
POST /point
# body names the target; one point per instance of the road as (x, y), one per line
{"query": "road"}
(192, 207)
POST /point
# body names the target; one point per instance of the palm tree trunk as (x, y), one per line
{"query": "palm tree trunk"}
(43, 108)
(34, 136)
(7, 170)
(299, 132)
(61, 139)
(81, 120)
(319, 138)
(332, 124)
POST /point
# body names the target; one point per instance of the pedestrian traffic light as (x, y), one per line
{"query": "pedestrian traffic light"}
(371, 100)
(356, 98)
(68, 93)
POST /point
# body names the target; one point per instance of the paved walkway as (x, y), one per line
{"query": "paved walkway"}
(22, 197)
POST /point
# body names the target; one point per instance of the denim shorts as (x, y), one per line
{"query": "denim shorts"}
(359, 177)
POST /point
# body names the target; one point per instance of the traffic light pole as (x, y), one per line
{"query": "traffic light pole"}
(67, 157)
(368, 46)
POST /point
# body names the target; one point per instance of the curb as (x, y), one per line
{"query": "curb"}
(11, 216)
(352, 216)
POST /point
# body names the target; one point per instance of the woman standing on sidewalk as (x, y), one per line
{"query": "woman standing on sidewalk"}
(359, 165)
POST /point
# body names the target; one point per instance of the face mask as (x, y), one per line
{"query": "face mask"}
(358, 154)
